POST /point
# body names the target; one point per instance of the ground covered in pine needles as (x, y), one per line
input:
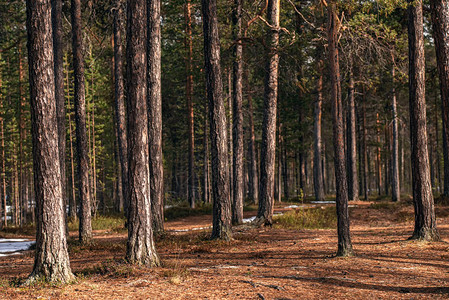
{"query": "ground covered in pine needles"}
(293, 260)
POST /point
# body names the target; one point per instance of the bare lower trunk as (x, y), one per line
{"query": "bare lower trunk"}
(253, 178)
(353, 180)
(395, 188)
(220, 172)
(155, 115)
(344, 238)
(425, 221)
(268, 151)
(318, 182)
(52, 260)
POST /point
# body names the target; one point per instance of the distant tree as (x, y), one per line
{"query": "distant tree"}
(220, 170)
(85, 226)
(425, 221)
(318, 179)
(268, 150)
(140, 246)
(52, 259)
(155, 114)
(237, 130)
(344, 238)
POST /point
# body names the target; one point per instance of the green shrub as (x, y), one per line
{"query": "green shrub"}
(309, 218)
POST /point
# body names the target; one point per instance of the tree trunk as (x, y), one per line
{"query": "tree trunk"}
(155, 114)
(395, 183)
(237, 130)
(378, 159)
(58, 49)
(189, 96)
(206, 160)
(220, 172)
(85, 227)
(120, 113)
(268, 151)
(353, 180)
(344, 238)
(425, 221)
(140, 246)
(365, 149)
(52, 260)
(318, 183)
(253, 178)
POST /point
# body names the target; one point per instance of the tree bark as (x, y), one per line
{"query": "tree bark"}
(395, 183)
(220, 171)
(85, 226)
(140, 246)
(425, 221)
(155, 114)
(52, 260)
(120, 113)
(253, 176)
(189, 96)
(237, 129)
(268, 151)
(344, 238)
(317, 157)
(353, 180)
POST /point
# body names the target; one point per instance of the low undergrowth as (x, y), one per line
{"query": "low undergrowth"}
(309, 218)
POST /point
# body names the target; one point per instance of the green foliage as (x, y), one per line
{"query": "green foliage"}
(309, 218)
(112, 222)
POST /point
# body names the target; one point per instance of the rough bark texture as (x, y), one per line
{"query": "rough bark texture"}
(425, 221)
(268, 151)
(237, 130)
(59, 90)
(395, 183)
(155, 114)
(317, 157)
(85, 227)
(120, 113)
(440, 26)
(140, 246)
(353, 180)
(344, 238)
(189, 96)
(220, 172)
(52, 259)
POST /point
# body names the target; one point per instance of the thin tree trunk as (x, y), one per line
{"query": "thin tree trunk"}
(344, 238)
(365, 149)
(253, 178)
(140, 246)
(395, 182)
(120, 113)
(220, 171)
(378, 162)
(52, 260)
(425, 221)
(237, 130)
(318, 177)
(155, 114)
(189, 96)
(268, 151)
(206, 160)
(85, 227)
(230, 140)
(353, 180)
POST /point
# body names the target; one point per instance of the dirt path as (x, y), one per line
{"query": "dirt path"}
(265, 263)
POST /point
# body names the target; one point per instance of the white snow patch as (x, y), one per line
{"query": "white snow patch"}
(322, 202)
(292, 206)
(190, 229)
(249, 220)
(11, 246)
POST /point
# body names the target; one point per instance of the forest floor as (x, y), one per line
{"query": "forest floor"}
(260, 263)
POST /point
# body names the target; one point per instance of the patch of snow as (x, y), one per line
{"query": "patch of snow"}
(191, 229)
(13, 240)
(11, 246)
(292, 206)
(322, 202)
(249, 220)
(8, 254)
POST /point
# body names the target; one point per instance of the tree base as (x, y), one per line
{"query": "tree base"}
(345, 252)
(62, 277)
(263, 221)
(426, 235)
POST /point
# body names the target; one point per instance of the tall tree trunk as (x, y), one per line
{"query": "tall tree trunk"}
(378, 158)
(120, 113)
(189, 96)
(3, 213)
(85, 226)
(220, 171)
(318, 183)
(52, 260)
(237, 130)
(425, 221)
(253, 178)
(353, 180)
(395, 183)
(206, 159)
(344, 238)
(22, 136)
(58, 49)
(230, 140)
(268, 151)
(365, 149)
(140, 246)
(440, 26)
(155, 114)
